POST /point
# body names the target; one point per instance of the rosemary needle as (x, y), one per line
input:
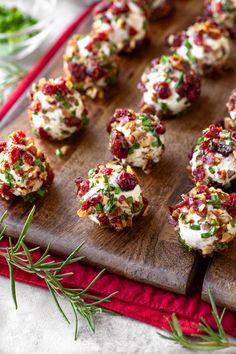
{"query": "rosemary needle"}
(84, 304)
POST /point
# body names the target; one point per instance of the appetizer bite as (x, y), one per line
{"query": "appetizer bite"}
(24, 170)
(56, 110)
(91, 63)
(223, 13)
(230, 122)
(205, 219)
(169, 86)
(205, 45)
(123, 21)
(111, 196)
(213, 160)
(155, 9)
(136, 138)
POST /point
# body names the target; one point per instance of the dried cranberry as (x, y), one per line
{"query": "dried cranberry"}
(106, 171)
(102, 7)
(199, 174)
(27, 158)
(233, 135)
(230, 204)
(92, 201)
(49, 89)
(181, 205)
(127, 181)
(119, 145)
(178, 39)
(124, 115)
(14, 153)
(163, 90)
(213, 132)
(72, 122)
(78, 71)
(160, 128)
(132, 31)
(18, 137)
(219, 7)
(5, 190)
(61, 84)
(103, 219)
(117, 10)
(50, 176)
(3, 145)
(43, 134)
(190, 88)
(95, 71)
(231, 104)
(224, 149)
(82, 185)
(204, 189)
(198, 38)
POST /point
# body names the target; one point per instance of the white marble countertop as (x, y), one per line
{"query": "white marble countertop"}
(37, 327)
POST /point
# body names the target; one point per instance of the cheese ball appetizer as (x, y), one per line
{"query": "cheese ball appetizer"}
(111, 196)
(91, 63)
(136, 138)
(205, 45)
(205, 219)
(123, 21)
(230, 122)
(169, 86)
(24, 171)
(56, 110)
(223, 13)
(213, 160)
(155, 9)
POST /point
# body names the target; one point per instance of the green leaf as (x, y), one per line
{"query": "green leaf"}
(13, 284)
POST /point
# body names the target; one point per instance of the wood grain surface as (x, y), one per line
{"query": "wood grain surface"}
(149, 252)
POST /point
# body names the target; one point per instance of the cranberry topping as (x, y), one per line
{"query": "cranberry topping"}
(127, 181)
(199, 174)
(61, 84)
(82, 185)
(3, 145)
(119, 145)
(160, 128)
(72, 122)
(117, 10)
(163, 90)
(43, 134)
(231, 104)
(18, 137)
(219, 7)
(49, 89)
(213, 132)
(178, 39)
(106, 171)
(27, 158)
(103, 219)
(132, 31)
(50, 176)
(95, 71)
(102, 7)
(92, 201)
(233, 135)
(190, 88)
(230, 204)
(36, 106)
(5, 190)
(78, 71)
(198, 38)
(14, 153)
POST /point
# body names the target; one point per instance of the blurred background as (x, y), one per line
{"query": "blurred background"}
(25, 35)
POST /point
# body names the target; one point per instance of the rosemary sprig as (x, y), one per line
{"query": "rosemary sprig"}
(10, 74)
(19, 256)
(209, 340)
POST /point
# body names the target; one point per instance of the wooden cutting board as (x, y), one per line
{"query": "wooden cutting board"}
(149, 252)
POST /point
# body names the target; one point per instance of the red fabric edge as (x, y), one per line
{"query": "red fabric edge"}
(40, 65)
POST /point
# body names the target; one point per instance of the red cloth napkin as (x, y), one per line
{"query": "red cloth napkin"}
(136, 300)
